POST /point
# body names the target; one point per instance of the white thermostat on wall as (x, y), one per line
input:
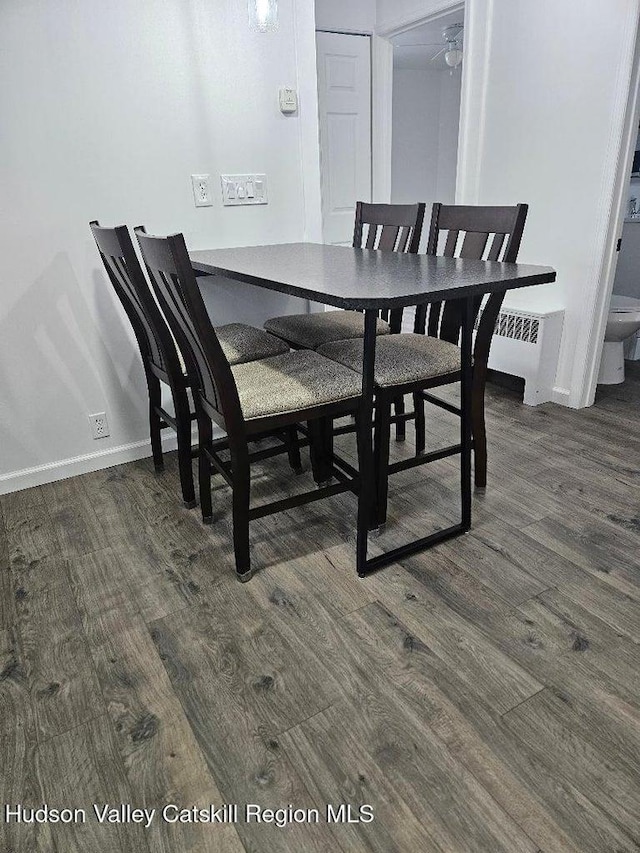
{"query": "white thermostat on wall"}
(288, 99)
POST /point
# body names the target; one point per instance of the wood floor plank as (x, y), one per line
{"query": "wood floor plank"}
(497, 572)
(79, 768)
(403, 764)
(241, 685)
(598, 548)
(550, 810)
(4, 543)
(54, 658)
(455, 640)
(77, 527)
(15, 704)
(162, 760)
(19, 781)
(550, 729)
(385, 733)
(30, 532)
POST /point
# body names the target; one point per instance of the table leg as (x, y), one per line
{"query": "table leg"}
(465, 406)
(366, 497)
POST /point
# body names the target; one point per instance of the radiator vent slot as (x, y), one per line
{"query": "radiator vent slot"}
(518, 327)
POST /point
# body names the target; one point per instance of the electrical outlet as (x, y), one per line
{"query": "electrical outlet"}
(201, 190)
(99, 425)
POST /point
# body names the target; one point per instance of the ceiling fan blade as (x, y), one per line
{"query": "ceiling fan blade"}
(442, 50)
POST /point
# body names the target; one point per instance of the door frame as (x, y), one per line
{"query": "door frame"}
(382, 93)
(618, 166)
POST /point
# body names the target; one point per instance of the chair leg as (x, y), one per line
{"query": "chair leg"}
(320, 448)
(155, 399)
(479, 432)
(366, 506)
(401, 426)
(293, 449)
(418, 407)
(381, 458)
(183, 429)
(204, 469)
(241, 495)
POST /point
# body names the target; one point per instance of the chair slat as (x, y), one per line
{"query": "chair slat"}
(371, 237)
(474, 244)
(388, 238)
(452, 242)
(496, 247)
(420, 320)
(403, 240)
(435, 311)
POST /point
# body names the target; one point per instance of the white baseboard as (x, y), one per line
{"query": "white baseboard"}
(64, 468)
(561, 396)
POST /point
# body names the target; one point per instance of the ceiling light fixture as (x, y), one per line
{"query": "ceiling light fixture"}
(263, 15)
(453, 57)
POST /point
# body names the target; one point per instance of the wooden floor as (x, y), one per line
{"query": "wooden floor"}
(483, 696)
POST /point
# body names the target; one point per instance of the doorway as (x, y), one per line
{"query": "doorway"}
(427, 74)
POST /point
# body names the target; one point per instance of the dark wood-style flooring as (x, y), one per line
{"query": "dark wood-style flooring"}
(482, 696)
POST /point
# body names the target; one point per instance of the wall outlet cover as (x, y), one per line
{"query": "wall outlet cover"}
(99, 425)
(201, 190)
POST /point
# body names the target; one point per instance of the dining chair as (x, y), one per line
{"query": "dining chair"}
(415, 363)
(505, 227)
(383, 227)
(247, 400)
(162, 360)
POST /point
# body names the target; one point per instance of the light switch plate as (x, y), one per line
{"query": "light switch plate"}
(244, 189)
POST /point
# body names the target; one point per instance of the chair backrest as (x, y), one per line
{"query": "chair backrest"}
(480, 233)
(157, 347)
(175, 286)
(390, 227)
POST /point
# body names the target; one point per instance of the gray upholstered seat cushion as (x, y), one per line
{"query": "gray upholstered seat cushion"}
(313, 330)
(400, 359)
(290, 382)
(242, 343)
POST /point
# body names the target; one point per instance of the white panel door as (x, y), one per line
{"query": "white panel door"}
(344, 103)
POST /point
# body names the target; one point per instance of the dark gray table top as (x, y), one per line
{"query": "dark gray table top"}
(362, 278)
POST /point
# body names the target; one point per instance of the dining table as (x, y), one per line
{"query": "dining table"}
(378, 282)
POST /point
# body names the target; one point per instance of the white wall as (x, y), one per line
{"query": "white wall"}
(426, 109)
(540, 121)
(107, 108)
(415, 136)
(449, 125)
(346, 16)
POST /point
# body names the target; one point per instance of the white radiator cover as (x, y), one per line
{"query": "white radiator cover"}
(527, 344)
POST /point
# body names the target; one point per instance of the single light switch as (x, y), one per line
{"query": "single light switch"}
(241, 191)
(250, 190)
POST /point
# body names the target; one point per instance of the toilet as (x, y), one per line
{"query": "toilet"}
(622, 322)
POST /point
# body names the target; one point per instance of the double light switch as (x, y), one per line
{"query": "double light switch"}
(244, 189)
